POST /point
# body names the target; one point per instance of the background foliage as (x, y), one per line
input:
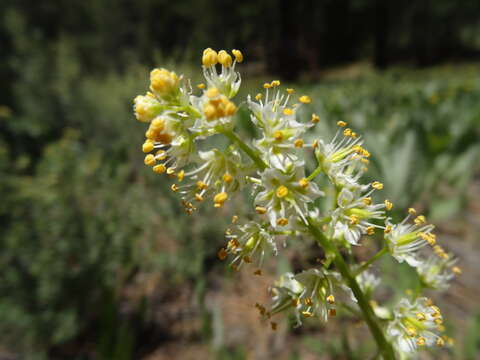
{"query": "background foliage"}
(97, 260)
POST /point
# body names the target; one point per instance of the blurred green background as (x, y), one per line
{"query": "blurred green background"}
(97, 259)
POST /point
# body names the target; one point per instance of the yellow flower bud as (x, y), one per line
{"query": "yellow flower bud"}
(163, 82)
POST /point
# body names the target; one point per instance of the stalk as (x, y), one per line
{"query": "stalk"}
(247, 149)
(383, 345)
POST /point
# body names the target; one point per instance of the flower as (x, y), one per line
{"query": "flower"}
(404, 240)
(436, 272)
(249, 244)
(415, 324)
(277, 120)
(354, 215)
(228, 80)
(286, 194)
(367, 281)
(308, 294)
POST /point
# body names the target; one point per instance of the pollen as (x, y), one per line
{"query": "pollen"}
(212, 92)
(275, 83)
(354, 220)
(304, 183)
(412, 211)
(347, 132)
(281, 191)
(388, 205)
(377, 185)
(159, 169)
(258, 97)
(419, 220)
(257, 272)
(288, 111)
(332, 312)
(210, 57)
(440, 342)
(388, 229)
(341, 123)
(282, 221)
(201, 185)
(198, 197)
(308, 301)
(267, 86)
(278, 135)
(456, 270)
(290, 91)
(174, 187)
(227, 178)
(367, 200)
(201, 86)
(305, 99)
(260, 210)
(238, 55)
(370, 230)
(315, 118)
(222, 254)
(220, 199)
(298, 143)
(307, 313)
(224, 58)
(421, 316)
(331, 299)
(421, 341)
(149, 160)
(147, 146)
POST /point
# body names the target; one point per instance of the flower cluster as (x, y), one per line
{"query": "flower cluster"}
(288, 198)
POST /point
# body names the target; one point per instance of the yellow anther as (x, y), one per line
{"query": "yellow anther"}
(365, 161)
(298, 143)
(230, 109)
(435, 311)
(388, 205)
(147, 146)
(157, 124)
(307, 313)
(288, 111)
(315, 144)
(258, 97)
(149, 160)
(421, 316)
(304, 99)
(440, 342)
(159, 169)
(273, 325)
(201, 185)
(308, 301)
(412, 211)
(354, 135)
(267, 86)
(341, 123)
(171, 171)
(174, 187)
(163, 82)
(332, 312)
(377, 185)
(224, 58)
(331, 299)
(275, 83)
(247, 259)
(411, 331)
(282, 191)
(282, 221)
(347, 132)
(354, 220)
(421, 341)
(222, 254)
(238, 55)
(210, 111)
(198, 197)
(161, 155)
(234, 219)
(370, 230)
(257, 272)
(419, 220)
(260, 210)
(227, 178)
(212, 92)
(209, 58)
(181, 175)
(295, 302)
(201, 86)
(456, 270)
(278, 135)
(304, 183)
(315, 118)
(388, 229)
(220, 199)
(438, 321)
(367, 200)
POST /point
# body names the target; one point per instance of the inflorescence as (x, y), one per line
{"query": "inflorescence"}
(285, 198)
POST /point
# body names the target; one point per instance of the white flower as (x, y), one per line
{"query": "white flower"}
(285, 194)
(277, 121)
(354, 214)
(228, 80)
(367, 281)
(249, 244)
(404, 240)
(436, 272)
(218, 174)
(309, 293)
(415, 324)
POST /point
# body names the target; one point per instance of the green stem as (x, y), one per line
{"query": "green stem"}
(315, 172)
(247, 149)
(383, 345)
(374, 258)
